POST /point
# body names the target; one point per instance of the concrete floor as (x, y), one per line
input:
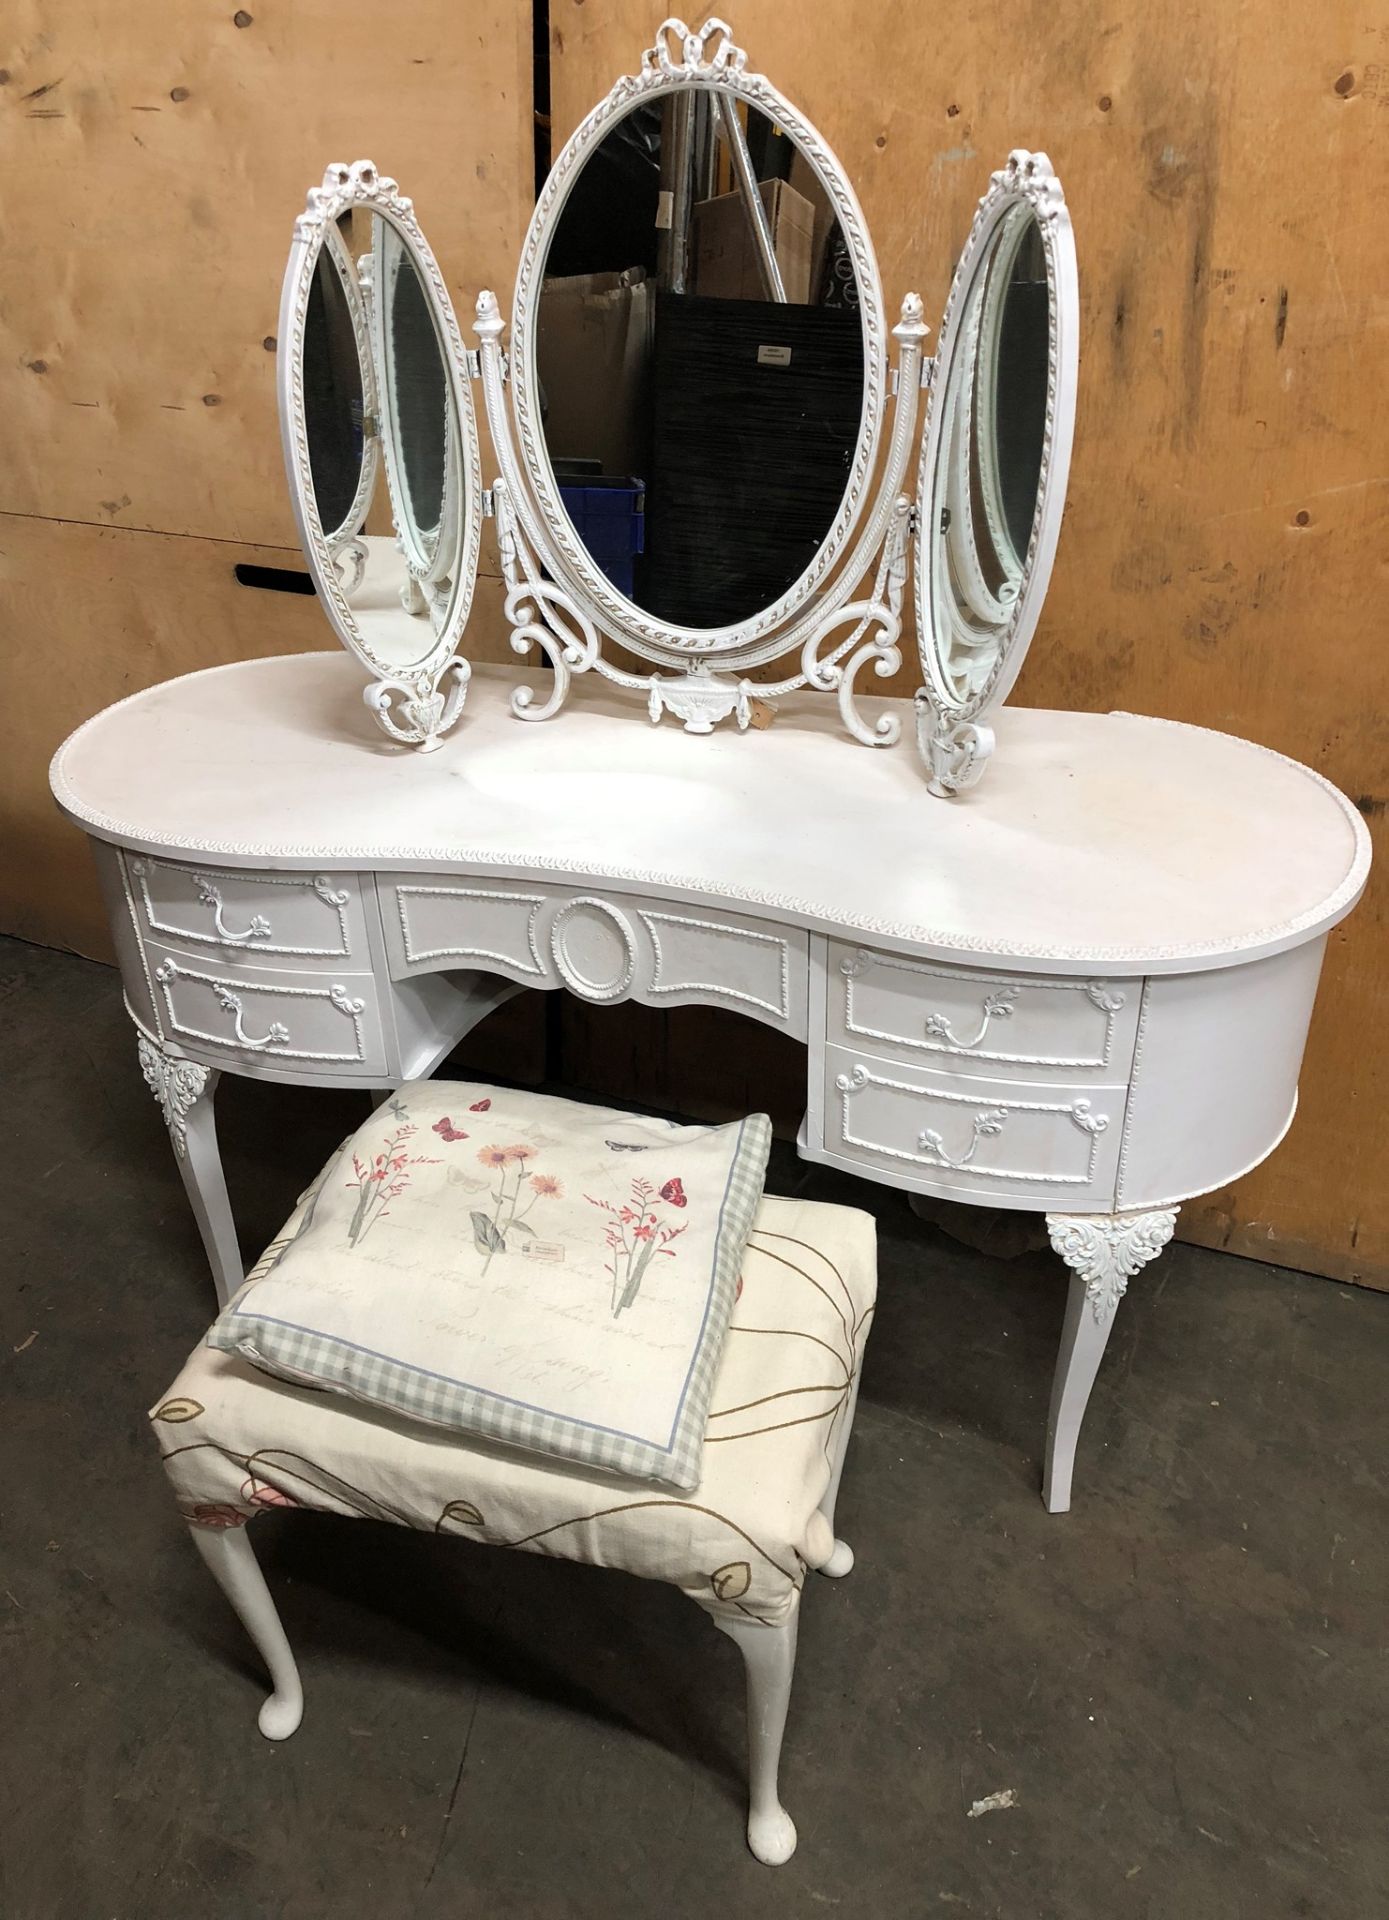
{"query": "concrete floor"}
(1183, 1682)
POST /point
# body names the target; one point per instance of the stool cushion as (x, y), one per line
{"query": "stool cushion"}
(519, 1268)
(236, 1441)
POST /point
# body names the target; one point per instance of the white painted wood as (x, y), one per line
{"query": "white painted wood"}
(184, 1089)
(1103, 1256)
(1215, 1080)
(603, 946)
(276, 763)
(1022, 1026)
(325, 1021)
(769, 1654)
(299, 920)
(942, 1133)
(1157, 976)
(230, 1559)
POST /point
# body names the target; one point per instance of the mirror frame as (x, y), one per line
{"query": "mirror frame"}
(344, 535)
(416, 703)
(954, 741)
(710, 62)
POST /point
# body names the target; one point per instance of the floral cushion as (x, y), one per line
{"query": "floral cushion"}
(522, 1269)
(237, 1442)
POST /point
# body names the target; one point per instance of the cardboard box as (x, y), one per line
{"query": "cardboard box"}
(593, 355)
(725, 252)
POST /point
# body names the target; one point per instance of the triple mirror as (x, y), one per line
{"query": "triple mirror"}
(703, 451)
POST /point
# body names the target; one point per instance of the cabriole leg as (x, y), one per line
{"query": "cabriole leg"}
(1103, 1252)
(841, 1561)
(184, 1090)
(232, 1563)
(769, 1654)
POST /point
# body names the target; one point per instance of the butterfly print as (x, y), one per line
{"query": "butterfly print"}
(448, 1129)
(480, 1106)
(624, 1146)
(673, 1192)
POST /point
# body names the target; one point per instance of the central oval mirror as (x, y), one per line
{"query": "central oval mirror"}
(380, 440)
(700, 361)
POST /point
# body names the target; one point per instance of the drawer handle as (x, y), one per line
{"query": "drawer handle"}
(231, 1003)
(990, 1121)
(259, 928)
(998, 1006)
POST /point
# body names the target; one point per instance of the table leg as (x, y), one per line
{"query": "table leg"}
(184, 1090)
(1103, 1251)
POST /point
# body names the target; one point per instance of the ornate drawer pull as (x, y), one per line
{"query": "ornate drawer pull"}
(998, 1006)
(259, 928)
(990, 1121)
(231, 1003)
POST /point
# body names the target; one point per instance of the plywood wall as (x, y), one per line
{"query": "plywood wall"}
(152, 162)
(1226, 546)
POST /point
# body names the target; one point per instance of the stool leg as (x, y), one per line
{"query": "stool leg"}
(232, 1564)
(841, 1561)
(769, 1654)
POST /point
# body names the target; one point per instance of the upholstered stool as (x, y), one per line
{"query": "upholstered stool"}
(237, 1441)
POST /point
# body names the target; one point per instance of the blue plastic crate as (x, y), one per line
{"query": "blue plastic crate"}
(609, 515)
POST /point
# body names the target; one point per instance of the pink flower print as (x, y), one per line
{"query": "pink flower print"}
(385, 1179)
(493, 1156)
(218, 1514)
(546, 1185)
(520, 1153)
(259, 1494)
(634, 1233)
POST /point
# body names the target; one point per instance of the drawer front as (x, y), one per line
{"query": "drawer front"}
(330, 1023)
(1055, 1145)
(601, 946)
(1035, 1026)
(306, 918)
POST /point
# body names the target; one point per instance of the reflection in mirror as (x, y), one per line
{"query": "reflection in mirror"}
(375, 378)
(333, 393)
(416, 393)
(990, 451)
(699, 358)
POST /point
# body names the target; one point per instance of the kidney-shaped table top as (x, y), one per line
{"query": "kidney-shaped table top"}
(1102, 842)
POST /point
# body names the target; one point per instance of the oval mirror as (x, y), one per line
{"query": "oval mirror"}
(994, 461)
(699, 358)
(381, 446)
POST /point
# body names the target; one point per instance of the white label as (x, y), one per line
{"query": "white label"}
(548, 1250)
(665, 210)
(774, 356)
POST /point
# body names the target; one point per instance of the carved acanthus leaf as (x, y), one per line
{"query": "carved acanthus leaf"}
(1106, 1250)
(175, 1084)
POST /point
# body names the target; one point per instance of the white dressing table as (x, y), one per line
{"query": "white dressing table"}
(1082, 987)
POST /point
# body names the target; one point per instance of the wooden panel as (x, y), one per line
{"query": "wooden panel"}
(1223, 556)
(155, 161)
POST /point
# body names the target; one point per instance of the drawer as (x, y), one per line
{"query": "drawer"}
(328, 1022)
(1034, 1025)
(306, 917)
(603, 946)
(1056, 1146)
